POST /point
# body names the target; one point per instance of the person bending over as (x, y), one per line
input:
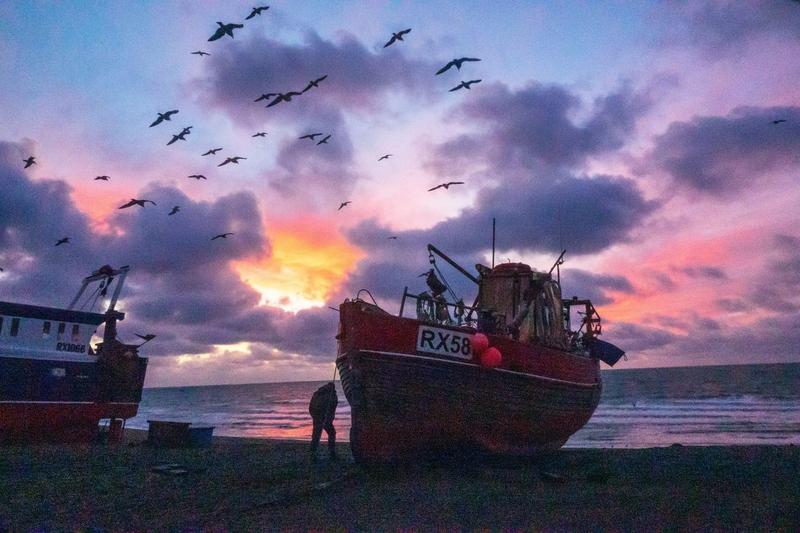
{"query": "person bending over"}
(322, 409)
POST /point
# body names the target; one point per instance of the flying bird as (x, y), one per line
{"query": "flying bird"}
(201, 53)
(283, 97)
(464, 85)
(256, 11)
(213, 151)
(314, 83)
(231, 160)
(779, 121)
(343, 204)
(182, 135)
(265, 96)
(392, 238)
(324, 140)
(162, 117)
(30, 161)
(146, 338)
(310, 136)
(396, 37)
(174, 210)
(260, 134)
(457, 63)
(134, 201)
(224, 29)
(198, 177)
(446, 185)
(221, 236)
(65, 240)
(387, 156)
(102, 178)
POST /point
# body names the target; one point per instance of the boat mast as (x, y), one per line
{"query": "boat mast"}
(97, 276)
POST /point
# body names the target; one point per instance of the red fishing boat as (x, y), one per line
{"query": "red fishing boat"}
(508, 375)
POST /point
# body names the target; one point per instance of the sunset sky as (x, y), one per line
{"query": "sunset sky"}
(638, 136)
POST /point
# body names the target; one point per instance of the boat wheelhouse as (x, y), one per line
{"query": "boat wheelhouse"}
(507, 375)
(53, 385)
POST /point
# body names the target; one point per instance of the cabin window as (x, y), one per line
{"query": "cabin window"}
(61, 329)
(14, 327)
(76, 333)
(46, 330)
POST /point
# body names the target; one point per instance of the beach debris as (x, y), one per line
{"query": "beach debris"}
(173, 469)
(552, 477)
(598, 475)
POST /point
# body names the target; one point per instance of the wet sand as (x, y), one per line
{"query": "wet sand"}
(254, 484)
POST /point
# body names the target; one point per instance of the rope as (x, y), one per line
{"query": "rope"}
(441, 276)
(86, 301)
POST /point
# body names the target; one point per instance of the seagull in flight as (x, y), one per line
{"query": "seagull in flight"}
(201, 53)
(392, 238)
(464, 85)
(314, 83)
(343, 204)
(260, 134)
(162, 117)
(174, 210)
(102, 178)
(456, 63)
(145, 338)
(134, 201)
(30, 161)
(310, 136)
(283, 97)
(182, 135)
(387, 156)
(266, 96)
(231, 160)
(779, 121)
(446, 185)
(221, 236)
(65, 240)
(198, 177)
(213, 151)
(397, 37)
(256, 11)
(324, 140)
(224, 29)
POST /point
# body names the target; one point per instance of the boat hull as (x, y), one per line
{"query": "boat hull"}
(405, 402)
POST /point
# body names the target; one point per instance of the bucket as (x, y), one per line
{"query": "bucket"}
(166, 434)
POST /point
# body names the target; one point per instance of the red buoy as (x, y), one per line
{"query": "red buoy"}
(491, 357)
(479, 343)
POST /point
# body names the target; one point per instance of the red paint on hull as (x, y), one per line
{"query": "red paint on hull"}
(57, 421)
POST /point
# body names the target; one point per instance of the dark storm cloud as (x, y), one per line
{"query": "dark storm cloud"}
(596, 287)
(778, 288)
(534, 126)
(634, 338)
(357, 78)
(724, 155)
(707, 272)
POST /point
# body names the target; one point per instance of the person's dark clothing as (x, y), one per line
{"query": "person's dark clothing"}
(322, 409)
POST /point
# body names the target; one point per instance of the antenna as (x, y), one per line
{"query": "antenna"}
(494, 220)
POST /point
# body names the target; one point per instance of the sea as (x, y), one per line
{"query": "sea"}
(640, 408)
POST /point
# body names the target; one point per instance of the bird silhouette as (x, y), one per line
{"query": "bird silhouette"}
(213, 151)
(310, 136)
(224, 29)
(201, 53)
(314, 83)
(387, 156)
(464, 85)
(231, 160)
(256, 11)
(446, 185)
(198, 177)
(102, 178)
(456, 63)
(181, 136)
(343, 204)
(134, 201)
(779, 121)
(221, 236)
(392, 238)
(30, 161)
(162, 117)
(260, 134)
(65, 240)
(174, 210)
(146, 338)
(1, 269)
(265, 96)
(283, 97)
(396, 37)
(324, 140)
